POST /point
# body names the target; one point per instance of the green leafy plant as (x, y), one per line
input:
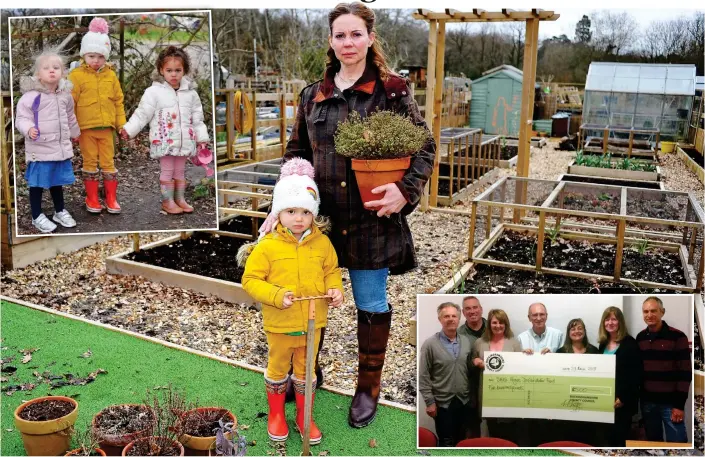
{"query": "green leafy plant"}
(553, 233)
(205, 189)
(642, 246)
(603, 197)
(381, 135)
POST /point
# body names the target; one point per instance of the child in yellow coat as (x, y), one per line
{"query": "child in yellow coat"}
(295, 260)
(100, 113)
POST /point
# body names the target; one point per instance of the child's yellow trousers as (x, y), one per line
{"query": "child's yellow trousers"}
(281, 349)
(98, 148)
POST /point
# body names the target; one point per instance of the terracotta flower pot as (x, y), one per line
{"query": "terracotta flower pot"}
(200, 445)
(50, 437)
(97, 450)
(114, 444)
(133, 443)
(374, 173)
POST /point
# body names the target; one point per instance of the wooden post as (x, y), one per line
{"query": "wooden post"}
(658, 137)
(467, 158)
(476, 138)
(430, 113)
(184, 235)
(282, 125)
(631, 143)
(488, 222)
(230, 121)
(473, 220)
(539, 240)
(503, 196)
(255, 221)
(691, 248)
(437, 110)
(701, 270)
(253, 131)
(605, 140)
(5, 150)
(136, 242)
(451, 157)
(527, 110)
(580, 135)
(621, 226)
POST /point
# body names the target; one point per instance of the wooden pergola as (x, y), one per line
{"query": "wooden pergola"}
(435, 76)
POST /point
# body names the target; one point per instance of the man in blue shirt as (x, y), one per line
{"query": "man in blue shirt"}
(540, 338)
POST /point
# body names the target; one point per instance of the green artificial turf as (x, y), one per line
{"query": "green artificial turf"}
(134, 365)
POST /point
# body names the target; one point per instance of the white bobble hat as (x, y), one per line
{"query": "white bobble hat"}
(97, 39)
(296, 188)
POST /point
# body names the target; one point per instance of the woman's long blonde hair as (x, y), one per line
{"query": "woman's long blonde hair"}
(603, 337)
(375, 54)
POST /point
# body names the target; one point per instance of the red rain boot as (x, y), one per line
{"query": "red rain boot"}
(110, 185)
(277, 428)
(299, 390)
(92, 200)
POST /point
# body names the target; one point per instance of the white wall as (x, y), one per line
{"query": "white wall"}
(561, 309)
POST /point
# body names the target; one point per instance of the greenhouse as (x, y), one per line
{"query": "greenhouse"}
(656, 98)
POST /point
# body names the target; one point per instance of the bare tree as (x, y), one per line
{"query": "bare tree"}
(614, 33)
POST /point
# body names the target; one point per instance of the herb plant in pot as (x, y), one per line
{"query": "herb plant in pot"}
(46, 424)
(380, 147)
(86, 443)
(198, 428)
(117, 425)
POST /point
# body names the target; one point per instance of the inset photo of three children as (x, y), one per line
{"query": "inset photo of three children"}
(114, 116)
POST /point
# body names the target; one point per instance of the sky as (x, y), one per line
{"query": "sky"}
(570, 16)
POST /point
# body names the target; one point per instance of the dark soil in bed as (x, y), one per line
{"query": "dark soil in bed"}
(671, 208)
(695, 155)
(603, 203)
(203, 253)
(586, 257)
(507, 152)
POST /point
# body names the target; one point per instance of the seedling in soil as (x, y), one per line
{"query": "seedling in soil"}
(235, 445)
(552, 235)
(603, 197)
(204, 189)
(642, 246)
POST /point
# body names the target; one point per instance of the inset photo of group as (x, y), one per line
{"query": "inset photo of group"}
(556, 371)
(113, 123)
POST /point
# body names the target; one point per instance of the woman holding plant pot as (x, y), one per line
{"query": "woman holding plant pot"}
(371, 244)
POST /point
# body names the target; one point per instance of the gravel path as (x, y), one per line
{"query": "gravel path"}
(77, 283)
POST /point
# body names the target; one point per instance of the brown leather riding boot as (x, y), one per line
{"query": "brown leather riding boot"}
(316, 369)
(372, 337)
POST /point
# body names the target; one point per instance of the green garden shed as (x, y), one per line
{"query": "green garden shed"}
(496, 101)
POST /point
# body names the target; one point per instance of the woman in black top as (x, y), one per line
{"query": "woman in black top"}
(576, 342)
(614, 339)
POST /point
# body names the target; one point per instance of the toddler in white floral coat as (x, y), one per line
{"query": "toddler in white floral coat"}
(173, 110)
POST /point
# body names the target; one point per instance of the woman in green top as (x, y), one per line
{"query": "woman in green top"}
(498, 337)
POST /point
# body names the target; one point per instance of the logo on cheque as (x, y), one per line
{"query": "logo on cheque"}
(495, 362)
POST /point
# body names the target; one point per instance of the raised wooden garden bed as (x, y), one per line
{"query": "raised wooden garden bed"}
(614, 173)
(612, 181)
(201, 261)
(465, 156)
(668, 254)
(690, 161)
(609, 141)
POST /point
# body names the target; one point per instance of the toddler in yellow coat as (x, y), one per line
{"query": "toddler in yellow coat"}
(100, 113)
(295, 260)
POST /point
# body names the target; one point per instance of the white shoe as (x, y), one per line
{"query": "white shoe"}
(64, 218)
(43, 224)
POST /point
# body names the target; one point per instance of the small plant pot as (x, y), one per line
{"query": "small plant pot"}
(50, 437)
(97, 450)
(140, 440)
(201, 445)
(667, 147)
(113, 444)
(374, 173)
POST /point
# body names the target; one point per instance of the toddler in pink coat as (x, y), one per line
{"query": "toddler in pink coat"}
(45, 117)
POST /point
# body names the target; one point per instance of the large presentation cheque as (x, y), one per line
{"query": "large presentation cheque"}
(551, 386)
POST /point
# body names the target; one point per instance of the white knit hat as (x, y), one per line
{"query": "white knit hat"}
(97, 39)
(296, 188)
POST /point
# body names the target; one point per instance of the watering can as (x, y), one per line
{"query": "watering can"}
(203, 157)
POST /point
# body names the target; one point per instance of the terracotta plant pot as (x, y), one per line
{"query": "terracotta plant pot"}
(113, 444)
(50, 437)
(200, 445)
(133, 443)
(97, 450)
(374, 173)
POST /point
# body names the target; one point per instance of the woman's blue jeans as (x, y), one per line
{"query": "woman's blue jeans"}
(370, 289)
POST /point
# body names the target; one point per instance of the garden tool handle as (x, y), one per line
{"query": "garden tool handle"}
(308, 391)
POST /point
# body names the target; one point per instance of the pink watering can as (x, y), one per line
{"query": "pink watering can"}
(203, 157)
